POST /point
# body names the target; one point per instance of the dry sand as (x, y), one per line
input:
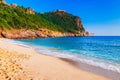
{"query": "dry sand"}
(23, 63)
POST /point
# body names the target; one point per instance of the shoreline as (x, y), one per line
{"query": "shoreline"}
(49, 68)
(97, 70)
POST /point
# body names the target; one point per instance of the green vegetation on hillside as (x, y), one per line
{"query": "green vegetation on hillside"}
(65, 20)
(17, 18)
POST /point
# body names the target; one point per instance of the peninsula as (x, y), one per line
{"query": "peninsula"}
(17, 22)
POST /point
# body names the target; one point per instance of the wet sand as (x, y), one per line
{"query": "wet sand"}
(23, 63)
(107, 73)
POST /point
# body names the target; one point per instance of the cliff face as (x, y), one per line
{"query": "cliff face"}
(26, 34)
(79, 22)
(41, 33)
(80, 26)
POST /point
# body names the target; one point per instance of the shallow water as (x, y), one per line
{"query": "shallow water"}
(100, 51)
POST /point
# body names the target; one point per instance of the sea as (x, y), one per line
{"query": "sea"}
(99, 51)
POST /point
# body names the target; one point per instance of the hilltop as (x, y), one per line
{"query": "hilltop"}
(19, 22)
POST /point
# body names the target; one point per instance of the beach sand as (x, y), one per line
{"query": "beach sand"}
(23, 63)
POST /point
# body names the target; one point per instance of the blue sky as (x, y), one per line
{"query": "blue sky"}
(101, 17)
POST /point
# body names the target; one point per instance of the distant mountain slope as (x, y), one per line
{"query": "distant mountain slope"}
(14, 18)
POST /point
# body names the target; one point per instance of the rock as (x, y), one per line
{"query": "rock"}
(30, 11)
(41, 33)
(79, 22)
(3, 2)
(88, 34)
(14, 5)
(22, 34)
(0, 33)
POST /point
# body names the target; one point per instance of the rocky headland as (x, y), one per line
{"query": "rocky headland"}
(23, 23)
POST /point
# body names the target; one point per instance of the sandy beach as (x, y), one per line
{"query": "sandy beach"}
(23, 63)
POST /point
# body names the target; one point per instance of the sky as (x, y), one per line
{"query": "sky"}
(101, 17)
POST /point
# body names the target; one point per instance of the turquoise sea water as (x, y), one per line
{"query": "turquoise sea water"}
(100, 51)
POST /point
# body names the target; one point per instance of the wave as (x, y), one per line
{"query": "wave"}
(69, 55)
(79, 58)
